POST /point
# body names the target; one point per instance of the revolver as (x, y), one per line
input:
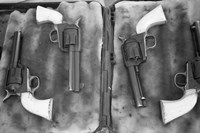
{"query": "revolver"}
(171, 110)
(68, 39)
(20, 82)
(134, 50)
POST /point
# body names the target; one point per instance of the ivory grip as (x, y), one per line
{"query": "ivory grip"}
(171, 110)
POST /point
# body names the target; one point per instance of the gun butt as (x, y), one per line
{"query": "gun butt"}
(44, 15)
(41, 108)
(154, 17)
(171, 110)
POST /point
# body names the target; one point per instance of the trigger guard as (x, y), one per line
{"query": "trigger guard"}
(154, 38)
(32, 90)
(51, 34)
(175, 81)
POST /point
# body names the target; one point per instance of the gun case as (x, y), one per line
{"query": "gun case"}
(80, 112)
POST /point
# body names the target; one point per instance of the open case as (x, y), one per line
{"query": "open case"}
(105, 103)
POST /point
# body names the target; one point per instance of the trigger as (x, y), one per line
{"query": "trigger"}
(150, 41)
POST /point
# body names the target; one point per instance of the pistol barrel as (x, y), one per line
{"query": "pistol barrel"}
(16, 49)
(74, 71)
(195, 30)
(72, 44)
(136, 87)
